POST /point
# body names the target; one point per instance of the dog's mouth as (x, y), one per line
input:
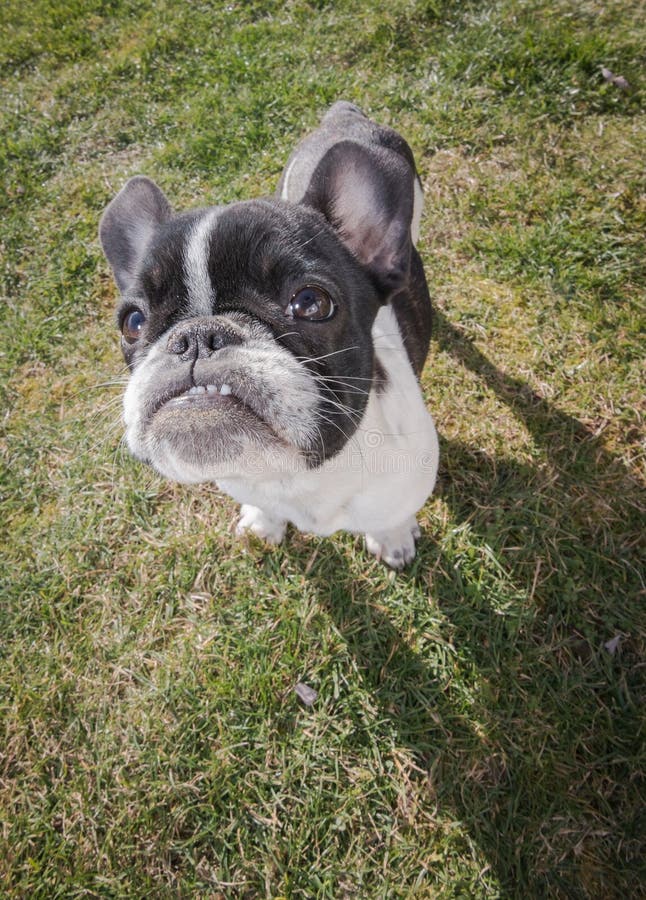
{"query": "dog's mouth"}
(216, 404)
(203, 395)
(216, 395)
(201, 421)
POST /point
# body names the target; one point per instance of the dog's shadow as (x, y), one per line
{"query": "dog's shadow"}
(530, 520)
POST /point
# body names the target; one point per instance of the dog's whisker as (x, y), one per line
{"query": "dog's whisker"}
(352, 414)
(121, 382)
(345, 376)
(110, 433)
(307, 359)
(313, 238)
(348, 438)
(98, 414)
(288, 334)
(347, 388)
(341, 389)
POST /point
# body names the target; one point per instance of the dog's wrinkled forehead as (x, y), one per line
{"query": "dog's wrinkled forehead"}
(218, 258)
(161, 274)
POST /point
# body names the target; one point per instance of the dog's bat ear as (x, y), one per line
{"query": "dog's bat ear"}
(369, 201)
(128, 224)
(362, 177)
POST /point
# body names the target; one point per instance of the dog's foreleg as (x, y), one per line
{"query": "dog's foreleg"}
(261, 524)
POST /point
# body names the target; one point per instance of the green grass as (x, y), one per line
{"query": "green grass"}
(472, 736)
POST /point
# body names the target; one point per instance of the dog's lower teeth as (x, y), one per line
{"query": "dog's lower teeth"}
(211, 389)
(225, 389)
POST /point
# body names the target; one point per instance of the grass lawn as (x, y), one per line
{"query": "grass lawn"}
(479, 725)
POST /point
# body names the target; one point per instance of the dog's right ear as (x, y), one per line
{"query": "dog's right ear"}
(128, 224)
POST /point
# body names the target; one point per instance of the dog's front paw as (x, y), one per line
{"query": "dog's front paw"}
(396, 547)
(261, 524)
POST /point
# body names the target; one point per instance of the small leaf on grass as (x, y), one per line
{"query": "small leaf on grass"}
(612, 645)
(305, 693)
(618, 80)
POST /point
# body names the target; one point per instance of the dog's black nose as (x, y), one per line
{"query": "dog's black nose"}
(199, 338)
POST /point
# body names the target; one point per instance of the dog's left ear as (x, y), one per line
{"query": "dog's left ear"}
(362, 177)
(361, 193)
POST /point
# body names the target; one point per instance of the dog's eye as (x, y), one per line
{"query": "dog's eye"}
(132, 325)
(312, 303)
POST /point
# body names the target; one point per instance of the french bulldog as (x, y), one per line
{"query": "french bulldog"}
(275, 345)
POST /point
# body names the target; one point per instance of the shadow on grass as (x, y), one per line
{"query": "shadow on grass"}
(539, 763)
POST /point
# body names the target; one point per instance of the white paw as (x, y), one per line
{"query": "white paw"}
(395, 547)
(262, 525)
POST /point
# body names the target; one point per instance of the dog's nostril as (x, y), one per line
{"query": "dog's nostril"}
(199, 339)
(215, 341)
(178, 344)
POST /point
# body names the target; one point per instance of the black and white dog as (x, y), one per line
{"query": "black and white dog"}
(275, 345)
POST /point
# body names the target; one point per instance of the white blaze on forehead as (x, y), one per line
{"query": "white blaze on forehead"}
(196, 265)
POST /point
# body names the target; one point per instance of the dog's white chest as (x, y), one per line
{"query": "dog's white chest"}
(385, 472)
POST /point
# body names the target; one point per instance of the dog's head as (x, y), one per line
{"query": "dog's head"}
(247, 328)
